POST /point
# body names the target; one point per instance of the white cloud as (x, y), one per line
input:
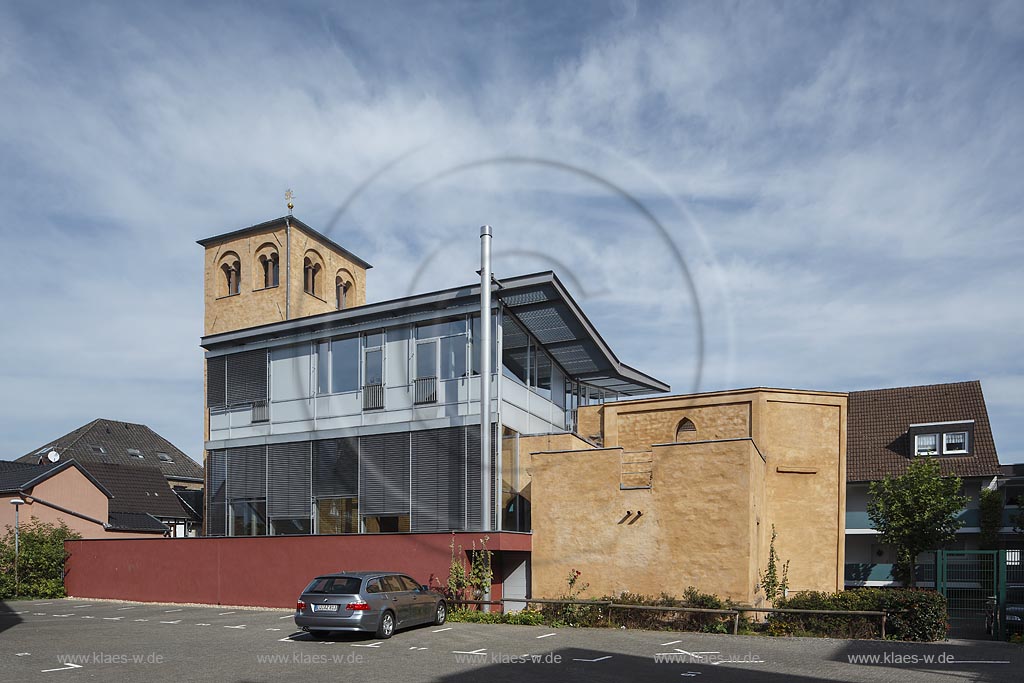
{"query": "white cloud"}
(842, 181)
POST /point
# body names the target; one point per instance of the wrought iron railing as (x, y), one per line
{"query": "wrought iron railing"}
(373, 397)
(425, 390)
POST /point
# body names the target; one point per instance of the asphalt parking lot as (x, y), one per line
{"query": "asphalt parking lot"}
(114, 641)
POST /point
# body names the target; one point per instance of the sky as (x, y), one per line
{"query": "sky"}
(801, 195)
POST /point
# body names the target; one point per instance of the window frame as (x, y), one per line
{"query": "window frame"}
(945, 443)
(917, 440)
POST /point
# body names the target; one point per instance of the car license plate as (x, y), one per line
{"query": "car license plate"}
(325, 608)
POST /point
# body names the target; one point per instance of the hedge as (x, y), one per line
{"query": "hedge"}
(40, 560)
(914, 614)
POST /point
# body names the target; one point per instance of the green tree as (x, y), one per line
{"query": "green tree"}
(41, 559)
(916, 512)
(991, 510)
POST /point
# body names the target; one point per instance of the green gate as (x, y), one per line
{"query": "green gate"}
(974, 584)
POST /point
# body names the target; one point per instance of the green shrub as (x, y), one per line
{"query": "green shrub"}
(525, 617)
(40, 560)
(913, 614)
(673, 621)
(472, 616)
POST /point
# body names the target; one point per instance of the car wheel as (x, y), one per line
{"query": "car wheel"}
(319, 634)
(440, 613)
(386, 628)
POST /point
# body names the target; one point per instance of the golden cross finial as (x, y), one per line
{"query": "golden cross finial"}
(288, 197)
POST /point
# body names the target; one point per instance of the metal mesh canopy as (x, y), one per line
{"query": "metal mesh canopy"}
(542, 305)
(539, 302)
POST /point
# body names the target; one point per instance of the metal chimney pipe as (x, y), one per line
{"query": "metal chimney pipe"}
(485, 376)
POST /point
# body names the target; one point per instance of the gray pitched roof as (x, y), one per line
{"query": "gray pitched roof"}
(137, 490)
(18, 476)
(877, 443)
(278, 222)
(109, 441)
(135, 521)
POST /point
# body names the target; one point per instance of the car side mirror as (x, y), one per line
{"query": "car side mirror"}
(424, 588)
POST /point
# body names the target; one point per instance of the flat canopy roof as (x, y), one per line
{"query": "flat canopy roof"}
(539, 302)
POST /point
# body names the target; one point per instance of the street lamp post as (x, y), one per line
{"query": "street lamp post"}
(17, 503)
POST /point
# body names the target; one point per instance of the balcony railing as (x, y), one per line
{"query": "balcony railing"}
(425, 390)
(261, 411)
(373, 397)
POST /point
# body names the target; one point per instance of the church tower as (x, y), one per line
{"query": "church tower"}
(278, 270)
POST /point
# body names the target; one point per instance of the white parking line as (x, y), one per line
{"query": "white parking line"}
(737, 661)
(287, 616)
(62, 615)
(599, 659)
(22, 654)
(176, 621)
(121, 609)
(40, 604)
(377, 644)
(417, 648)
(273, 629)
(39, 614)
(241, 626)
(140, 619)
(80, 606)
(288, 638)
(87, 617)
(112, 618)
(66, 667)
(442, 629)
(202, 624)
(223, 613)
(671, 642)
(168, 611)
(546, 635)
(482, 652)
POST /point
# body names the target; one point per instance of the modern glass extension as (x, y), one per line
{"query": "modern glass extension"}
(366, 420)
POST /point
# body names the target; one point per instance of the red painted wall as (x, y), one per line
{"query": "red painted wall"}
(263, 571)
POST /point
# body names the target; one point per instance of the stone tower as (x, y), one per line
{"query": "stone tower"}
(278, 270)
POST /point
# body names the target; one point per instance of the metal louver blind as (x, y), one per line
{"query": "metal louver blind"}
(247, 376)
(438, 479)
(473, 484)
(216, 500)
(247, 472)
(336, 467)
(216, 395)
(289, 468)
(384, 474)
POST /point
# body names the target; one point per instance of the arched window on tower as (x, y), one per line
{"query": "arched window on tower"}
(271, 269)
(686, 431)
(231, 270)
(342, 290)
(311, 276)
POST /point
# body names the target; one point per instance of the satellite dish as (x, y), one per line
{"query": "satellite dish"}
(53, 456)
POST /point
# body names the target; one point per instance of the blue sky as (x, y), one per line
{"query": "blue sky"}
(842, 181)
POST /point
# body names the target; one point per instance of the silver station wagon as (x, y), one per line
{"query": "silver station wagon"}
(376, 602)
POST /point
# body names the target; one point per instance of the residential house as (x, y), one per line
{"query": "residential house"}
(887, 430)
(153, 482)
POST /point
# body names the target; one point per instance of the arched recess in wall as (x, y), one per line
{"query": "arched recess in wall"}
(267, 268)
(312, 274)
(686, 430)
(230, 278)
(344, 289)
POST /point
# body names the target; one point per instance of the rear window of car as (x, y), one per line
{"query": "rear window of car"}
(335, 585)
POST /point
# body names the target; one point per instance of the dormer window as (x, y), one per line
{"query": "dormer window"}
(942, 438)
(954, 443)
(926, 444)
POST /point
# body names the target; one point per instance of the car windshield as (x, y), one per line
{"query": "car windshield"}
(335, 585)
